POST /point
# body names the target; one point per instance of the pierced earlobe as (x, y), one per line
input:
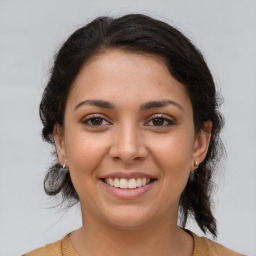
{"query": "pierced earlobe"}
(201, 145)
(60, 145)
(65, 166)
(64, 169)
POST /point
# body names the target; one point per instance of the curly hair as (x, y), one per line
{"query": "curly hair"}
(142, 34)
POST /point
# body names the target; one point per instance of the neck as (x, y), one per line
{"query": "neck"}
(162, 238)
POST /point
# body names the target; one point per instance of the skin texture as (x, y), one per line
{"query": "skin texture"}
(159, 141)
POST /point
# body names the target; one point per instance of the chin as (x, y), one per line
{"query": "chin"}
(128, 218)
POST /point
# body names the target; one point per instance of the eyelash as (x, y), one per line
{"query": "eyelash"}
(167, 122)
(94, 117)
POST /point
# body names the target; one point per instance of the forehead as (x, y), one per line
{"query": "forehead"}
(124, 76)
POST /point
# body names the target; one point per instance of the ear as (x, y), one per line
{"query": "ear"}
(201, 144)
(60, 144)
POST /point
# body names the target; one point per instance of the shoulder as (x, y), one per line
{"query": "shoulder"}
(49, 249)
(205, 246)
(59, 248)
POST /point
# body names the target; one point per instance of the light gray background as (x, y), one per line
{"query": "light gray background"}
(30, 33)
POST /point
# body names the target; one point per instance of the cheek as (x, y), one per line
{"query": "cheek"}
(173, 157)
(174, 152)
(84, 154)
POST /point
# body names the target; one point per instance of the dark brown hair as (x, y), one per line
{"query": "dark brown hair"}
(139, 33)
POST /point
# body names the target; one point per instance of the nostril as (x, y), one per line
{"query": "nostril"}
(116, 158)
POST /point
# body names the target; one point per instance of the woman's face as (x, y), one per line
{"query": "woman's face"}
(129, 139)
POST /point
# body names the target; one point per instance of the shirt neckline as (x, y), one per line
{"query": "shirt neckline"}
(200, 246)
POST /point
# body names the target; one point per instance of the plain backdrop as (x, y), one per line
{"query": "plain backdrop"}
(32, 31)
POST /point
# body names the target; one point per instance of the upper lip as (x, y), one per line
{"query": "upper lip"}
(128, 175)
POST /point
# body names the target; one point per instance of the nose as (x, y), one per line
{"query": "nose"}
(128, 145)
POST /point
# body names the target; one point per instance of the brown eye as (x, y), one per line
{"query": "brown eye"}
(96, 121)
(158, 121)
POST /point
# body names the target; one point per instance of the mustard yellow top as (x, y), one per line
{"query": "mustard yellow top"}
(202, 247)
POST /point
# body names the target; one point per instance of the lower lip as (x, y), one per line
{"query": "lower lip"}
(125, 193)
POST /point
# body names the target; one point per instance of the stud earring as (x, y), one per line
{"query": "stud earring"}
(196, 164)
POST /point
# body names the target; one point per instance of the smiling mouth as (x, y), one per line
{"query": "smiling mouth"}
(128, 183)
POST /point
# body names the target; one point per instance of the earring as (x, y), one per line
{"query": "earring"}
(64, 169)
(193, 173)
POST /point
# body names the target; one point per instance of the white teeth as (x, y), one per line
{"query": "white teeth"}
(127, 183)
(138, 182)
(123, 183)
(111, 182)
(132, 183)
(116, 183)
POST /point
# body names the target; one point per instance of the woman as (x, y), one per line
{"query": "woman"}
(131, 107)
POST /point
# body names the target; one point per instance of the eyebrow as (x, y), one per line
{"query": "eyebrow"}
(98, 103)
(159, 104)
(145, 106)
